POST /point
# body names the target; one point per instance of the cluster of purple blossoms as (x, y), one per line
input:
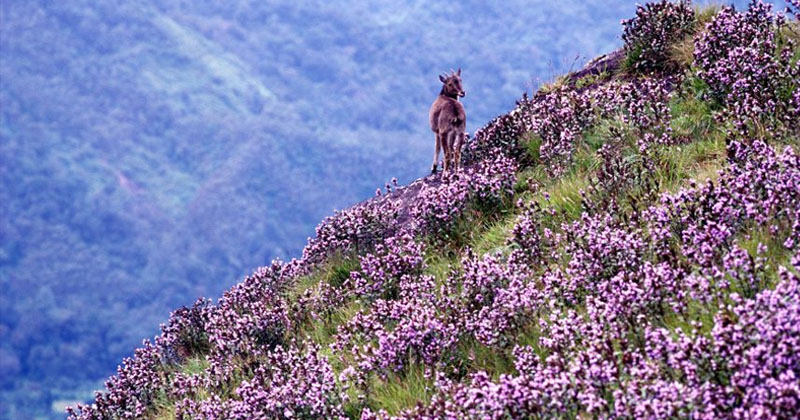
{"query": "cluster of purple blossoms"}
(649, 36)
(644, 108)
(184, 335)
(504, 133)
(383, 270)
(439, 207)
(356, 229)
(532, 243)
(496, 299)
(130, 393)
(558, 118)
(747, 61)
(643, 105)
(385, 338)
(249, 319)
(290, 383)
(764, 189)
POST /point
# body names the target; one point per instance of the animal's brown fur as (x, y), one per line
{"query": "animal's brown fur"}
(448, 122)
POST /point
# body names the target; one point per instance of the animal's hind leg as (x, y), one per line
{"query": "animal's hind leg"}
(447, 144)
(459, 143)
(436, 152)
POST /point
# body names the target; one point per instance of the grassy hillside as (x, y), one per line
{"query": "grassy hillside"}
(622, 244)
(152, 152)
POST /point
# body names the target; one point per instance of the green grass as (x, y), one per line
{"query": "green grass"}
(692, 116)
(439, 265)
(323, 331)
(401, 391)
(699, 160)
(194, 365)
(682, 52)
(475, 357)
(494, 238)
(334, 272)
(592, 79)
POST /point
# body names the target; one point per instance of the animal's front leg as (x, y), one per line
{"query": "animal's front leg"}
(436, 153)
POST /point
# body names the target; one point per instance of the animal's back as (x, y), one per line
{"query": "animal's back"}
(445, 111)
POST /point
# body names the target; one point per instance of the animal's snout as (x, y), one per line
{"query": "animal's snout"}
(462, 93)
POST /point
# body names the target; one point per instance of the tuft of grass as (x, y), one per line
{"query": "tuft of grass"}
(474, 356)
(322, 331)
(334, 271)
(557, 83)
(592, 79)
(440, 265)
(532, 144)
(776, 254)
(194, 366)
(682, 52)
(476, 219)
(403, 391)
(565, 196)
(693, 117)
(494, 239)
(602, 132)
(629, 64)
(699, 160)
(164, 409)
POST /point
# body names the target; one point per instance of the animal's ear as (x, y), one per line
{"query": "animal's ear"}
(459, 71)
(442, 79)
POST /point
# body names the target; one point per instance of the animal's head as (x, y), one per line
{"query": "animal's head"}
(452, 84)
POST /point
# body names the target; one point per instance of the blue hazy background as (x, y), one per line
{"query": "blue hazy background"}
(152, 152)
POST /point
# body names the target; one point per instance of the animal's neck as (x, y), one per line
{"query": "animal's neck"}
(444, 92)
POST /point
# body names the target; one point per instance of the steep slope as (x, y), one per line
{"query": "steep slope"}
(622, 244)
(152, 152)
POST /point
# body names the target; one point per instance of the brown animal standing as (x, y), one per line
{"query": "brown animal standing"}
(448, 121)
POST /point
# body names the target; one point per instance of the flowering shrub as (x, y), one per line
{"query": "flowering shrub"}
(650, 34)
(358, 229)
(532, 242)
(762, 190)
(747, 64)
(184, 335)
(290, 384)
(383, 339)
(438, 207)
(250, 317)
(503, 134)
(513, 307)
(675, 377)
(611, 360)
(559, 117)
(130, 392)
(382, 270)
